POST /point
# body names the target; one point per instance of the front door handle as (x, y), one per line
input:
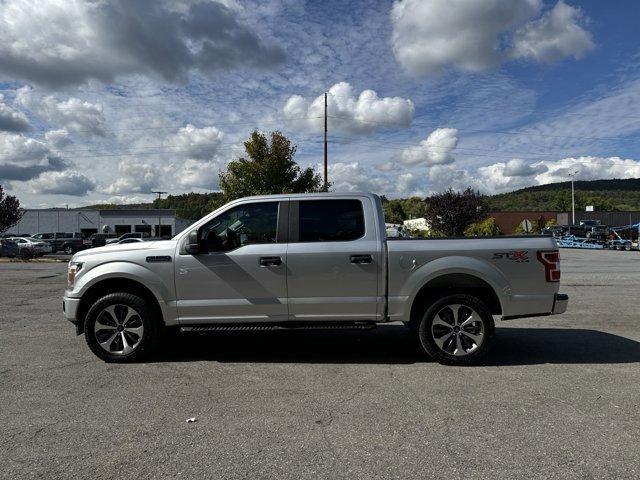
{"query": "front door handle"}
(270, 261)
(359, 259)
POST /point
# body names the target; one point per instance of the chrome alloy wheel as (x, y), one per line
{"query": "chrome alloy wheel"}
(118, 329)
(458, 330)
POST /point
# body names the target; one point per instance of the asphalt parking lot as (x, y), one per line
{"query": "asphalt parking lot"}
(558, 397)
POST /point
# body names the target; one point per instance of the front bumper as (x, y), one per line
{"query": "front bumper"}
(560, 301)
(70, 308)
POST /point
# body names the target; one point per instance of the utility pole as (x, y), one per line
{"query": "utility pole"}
(159, 214)
(326, 180)
(573, 198)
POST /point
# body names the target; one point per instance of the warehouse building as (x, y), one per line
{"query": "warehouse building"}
(87, 222)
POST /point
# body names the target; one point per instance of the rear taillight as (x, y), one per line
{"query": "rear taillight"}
(551, 261)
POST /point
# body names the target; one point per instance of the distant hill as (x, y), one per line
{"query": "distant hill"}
(588, 185)
(115, 206)
(608, 195)
(189, 206)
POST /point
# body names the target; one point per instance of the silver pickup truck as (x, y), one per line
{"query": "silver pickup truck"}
(308, 261)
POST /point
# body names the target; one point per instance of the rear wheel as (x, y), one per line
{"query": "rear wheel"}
(119, 328)
(457, 330)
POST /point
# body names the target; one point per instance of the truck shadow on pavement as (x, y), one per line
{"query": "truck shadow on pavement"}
(394, 344)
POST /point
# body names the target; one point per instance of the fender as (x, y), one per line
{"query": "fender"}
(164, 294)
(429, 271)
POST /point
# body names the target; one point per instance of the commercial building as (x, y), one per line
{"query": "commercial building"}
(152, 222)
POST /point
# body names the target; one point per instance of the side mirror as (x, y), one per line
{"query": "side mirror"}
(193, 243)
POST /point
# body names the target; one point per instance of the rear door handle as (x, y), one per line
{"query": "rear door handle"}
(270, 261)
(361, 259)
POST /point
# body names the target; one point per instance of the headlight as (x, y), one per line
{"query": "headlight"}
(74, 268)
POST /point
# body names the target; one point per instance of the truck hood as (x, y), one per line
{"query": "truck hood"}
(126, 247)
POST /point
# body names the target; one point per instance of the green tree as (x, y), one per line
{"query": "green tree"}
(191, 206)
(452, 212)
(414, 207)
(269, 168)
(535, 228)
(562, 201)
(10, 211)
(486, 227)
(393, 211)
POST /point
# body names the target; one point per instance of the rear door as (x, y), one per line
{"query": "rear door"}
(334, 260)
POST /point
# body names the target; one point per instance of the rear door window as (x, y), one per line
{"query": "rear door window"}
(330, 220)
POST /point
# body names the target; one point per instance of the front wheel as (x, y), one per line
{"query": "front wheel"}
(457, 330)
(69, 250)
(119, 328)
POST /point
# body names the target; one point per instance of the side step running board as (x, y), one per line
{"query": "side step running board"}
(279, 326)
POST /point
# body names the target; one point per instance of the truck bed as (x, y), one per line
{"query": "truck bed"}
(508, 264)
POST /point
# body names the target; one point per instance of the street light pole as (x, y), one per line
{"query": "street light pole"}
(573, 199)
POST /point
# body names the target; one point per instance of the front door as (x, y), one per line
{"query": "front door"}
(242, 276)
(334, 261)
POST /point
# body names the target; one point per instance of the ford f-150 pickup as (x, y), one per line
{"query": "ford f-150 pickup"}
(309, 261)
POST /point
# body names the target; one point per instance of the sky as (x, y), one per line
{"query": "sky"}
(109, 100)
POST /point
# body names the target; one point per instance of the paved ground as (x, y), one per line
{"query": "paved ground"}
(558, 398)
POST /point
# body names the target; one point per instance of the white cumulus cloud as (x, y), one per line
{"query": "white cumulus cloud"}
(195, 143)
(69, 182)
(196, 174)
(134, 177)
(352, 177)
(23, 158)
(66, 42)
(503, 177)
(57, 139)
(430, 36)
(435, 150)
(12, 120)
(348, 113)
(73, 114)
(556, 35)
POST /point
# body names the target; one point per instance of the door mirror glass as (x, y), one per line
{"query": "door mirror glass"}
(193, 244)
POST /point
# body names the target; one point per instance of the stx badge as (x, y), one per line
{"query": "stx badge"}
(519, 256)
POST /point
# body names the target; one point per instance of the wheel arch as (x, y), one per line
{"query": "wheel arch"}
(451, 284)
(115, 285)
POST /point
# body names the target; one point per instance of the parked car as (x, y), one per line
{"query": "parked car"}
(8, 248)
(599, 233)
(618, 244)
(309, 260)
(69, 243)
(396, 231)
(99, 239)
(38, 248)
(127, 235)
(554, 230)
(133, 240)
(588, 223)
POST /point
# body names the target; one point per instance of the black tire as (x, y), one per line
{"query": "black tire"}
(68, 249)
(147, 341)
(475, 352)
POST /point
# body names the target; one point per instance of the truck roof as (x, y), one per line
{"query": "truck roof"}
(281, 196)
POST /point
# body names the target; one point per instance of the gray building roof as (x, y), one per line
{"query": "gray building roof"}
(137, 212)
